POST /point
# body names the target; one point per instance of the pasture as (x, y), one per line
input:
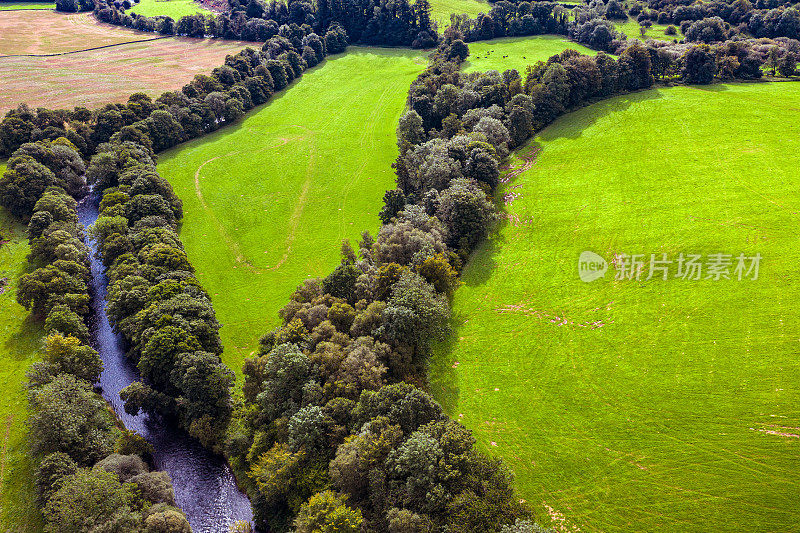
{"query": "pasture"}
(268, 201)
(631, 28)
(441, 9)
(97, 77)
(169, 8)
(20, 341)
(642, 405)
(517, 52)
(6, 6)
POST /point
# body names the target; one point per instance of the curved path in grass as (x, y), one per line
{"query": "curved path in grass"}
(661, 405)
(267, 201)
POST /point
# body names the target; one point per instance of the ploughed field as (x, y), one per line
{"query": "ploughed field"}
(625, 405)
(93, 78)
(20, 342)
(268, 201)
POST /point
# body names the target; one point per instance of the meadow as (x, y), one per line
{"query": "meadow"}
(169, 8)
(6, 6)
(642, 405)
(20, 342)
(631, 28)
(441, 9)
(94, 78)
(268, 201)
(517, 52)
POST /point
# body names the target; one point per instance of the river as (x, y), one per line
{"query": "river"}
(205, 488)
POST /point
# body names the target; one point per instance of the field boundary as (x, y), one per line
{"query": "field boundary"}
(85, 49)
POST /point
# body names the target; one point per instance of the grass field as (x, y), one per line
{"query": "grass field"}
(5, 6)
(20, 341)
(517, 52)
(441, 9)
(97, 77)
(656, 31)
(653, 405)
(170, 8)
(268, 201)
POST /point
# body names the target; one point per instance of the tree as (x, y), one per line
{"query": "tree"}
(67, 416)
(327, 512)
(92, 501)
(467, 213)
(51, 473)
(70, 356)
(699, 65)
(415, 314)
(61, 319)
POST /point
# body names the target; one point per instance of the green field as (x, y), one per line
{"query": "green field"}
(170, 8)
(4, 6)
(20, 341)
(517, 52)
(441, 9)
(654, 405)
(656, 31)
(268, 201)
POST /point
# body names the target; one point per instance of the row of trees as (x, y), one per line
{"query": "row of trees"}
(335, 433)
(760, 19)
(506, 19)
(374, 22)
(91, 475)
(154, 299)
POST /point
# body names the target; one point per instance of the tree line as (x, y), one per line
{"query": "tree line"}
(369, 22)
(91, 475)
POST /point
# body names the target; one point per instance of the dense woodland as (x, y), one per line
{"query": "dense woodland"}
(335, 429)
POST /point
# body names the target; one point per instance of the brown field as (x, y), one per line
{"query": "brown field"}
(50, 32)
(97, 77)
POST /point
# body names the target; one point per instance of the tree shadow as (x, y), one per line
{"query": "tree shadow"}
(571, 125)
(25, 341)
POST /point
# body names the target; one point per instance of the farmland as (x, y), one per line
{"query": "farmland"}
(97, 77)
(267, 201)
(20, 341)
(647, 404)
(169, 8)
(48, 32)
(517, 52)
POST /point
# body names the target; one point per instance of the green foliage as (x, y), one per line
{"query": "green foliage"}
(69, 355)
(327, 512)
(92, 501)
(68, 416)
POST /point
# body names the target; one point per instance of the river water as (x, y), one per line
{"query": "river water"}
(205, 488)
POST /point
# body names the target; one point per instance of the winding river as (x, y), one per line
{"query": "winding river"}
(205, 488)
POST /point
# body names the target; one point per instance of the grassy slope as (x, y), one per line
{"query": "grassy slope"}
(660, 419)
(170, 8)
(441, 9)
(268, 201)
(19, 346)
(519, 51)
(26, 5)
(656, 31)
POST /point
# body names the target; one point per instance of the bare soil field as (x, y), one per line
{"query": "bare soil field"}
(33, 32)
(96, 77)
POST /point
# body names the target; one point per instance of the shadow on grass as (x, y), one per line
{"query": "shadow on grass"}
(25, 341)
(577, 122)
